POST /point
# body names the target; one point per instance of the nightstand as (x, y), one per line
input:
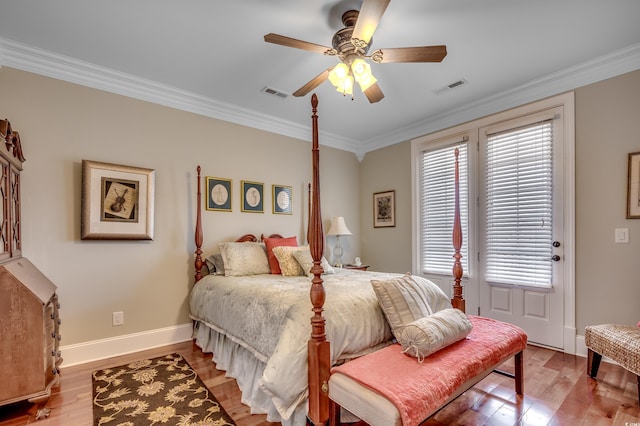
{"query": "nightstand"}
(359, 268)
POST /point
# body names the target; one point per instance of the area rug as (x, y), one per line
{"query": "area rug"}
(157, 391)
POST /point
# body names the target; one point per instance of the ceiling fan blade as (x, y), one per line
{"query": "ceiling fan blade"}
(293, 42)
(411, 54)
(374, 93)
(370, 14)
(315, 82)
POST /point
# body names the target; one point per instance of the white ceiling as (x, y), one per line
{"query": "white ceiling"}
(209, 57)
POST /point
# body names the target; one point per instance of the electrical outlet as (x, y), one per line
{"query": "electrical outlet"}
(117, 318)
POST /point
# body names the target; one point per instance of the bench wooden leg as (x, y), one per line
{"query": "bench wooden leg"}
(334, 413)
(593, 363)
(519, 373)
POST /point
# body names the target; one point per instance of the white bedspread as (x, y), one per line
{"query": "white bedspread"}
(270, 316)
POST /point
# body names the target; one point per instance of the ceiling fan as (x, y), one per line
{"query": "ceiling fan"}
(351, 44)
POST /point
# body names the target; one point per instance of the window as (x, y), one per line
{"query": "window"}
(437, 207)
(519, 210)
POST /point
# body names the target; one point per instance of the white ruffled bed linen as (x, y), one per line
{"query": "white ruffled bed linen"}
(258, 328)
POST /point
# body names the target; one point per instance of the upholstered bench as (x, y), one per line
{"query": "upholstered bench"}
(388, 387)
(621, 343)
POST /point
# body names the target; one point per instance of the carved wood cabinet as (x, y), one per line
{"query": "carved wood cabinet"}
(29, 308)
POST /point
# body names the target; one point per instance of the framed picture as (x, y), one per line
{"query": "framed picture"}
(252, 197)
(117, 202)
(384, 209)
(218, 194)
(282, 201)
(633, 186)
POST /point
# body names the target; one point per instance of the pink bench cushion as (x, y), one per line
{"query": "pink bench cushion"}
(419, 389)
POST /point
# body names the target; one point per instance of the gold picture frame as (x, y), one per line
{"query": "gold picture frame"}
(633, 186)
(117, 202)
(219, 195)
(252, 197)
(282, 197)
(384, 209)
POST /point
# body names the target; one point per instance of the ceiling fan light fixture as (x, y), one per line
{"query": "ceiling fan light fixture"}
(367, 82)
(360, 68)
(362, 73)
(338, 74)
(346, 86)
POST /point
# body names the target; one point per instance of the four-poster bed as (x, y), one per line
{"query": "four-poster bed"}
(272, 332)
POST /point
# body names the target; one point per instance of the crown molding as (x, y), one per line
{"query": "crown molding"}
(607, 66)
(42, 62)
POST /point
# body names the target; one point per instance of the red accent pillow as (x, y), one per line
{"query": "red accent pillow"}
(270, 243)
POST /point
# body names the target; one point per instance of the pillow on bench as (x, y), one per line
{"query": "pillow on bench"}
(429, 334)
(408, 298)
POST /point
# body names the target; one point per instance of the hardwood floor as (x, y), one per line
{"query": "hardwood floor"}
(557, 392)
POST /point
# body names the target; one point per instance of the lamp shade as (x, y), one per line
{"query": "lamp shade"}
(338, 227)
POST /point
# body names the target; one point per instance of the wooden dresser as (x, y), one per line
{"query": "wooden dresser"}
(29, 309)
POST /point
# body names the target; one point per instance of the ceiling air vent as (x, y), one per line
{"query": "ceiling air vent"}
(450, 86)
(275, 92)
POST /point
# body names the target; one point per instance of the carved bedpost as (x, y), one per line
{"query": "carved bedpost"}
(458, 300)
(198, 235)
(318, 347)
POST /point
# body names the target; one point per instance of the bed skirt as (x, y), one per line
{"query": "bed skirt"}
(240, 364)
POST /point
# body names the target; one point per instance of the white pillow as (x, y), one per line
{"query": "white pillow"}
(408, 298)
(427, 335)
(246, 258)
(215, 264)
(303, 256)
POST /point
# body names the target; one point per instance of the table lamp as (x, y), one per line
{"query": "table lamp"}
(338, 228)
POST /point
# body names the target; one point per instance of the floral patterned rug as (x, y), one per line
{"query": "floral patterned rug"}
(157, 391)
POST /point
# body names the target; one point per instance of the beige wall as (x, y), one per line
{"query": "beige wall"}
(61, 124)
(607, 129)
(387, 249)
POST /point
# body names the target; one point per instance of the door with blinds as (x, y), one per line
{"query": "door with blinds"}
(520, 256)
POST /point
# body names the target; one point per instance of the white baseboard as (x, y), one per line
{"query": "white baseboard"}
(95, 350)
(581, 348)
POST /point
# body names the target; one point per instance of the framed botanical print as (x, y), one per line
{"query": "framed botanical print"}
(384, 209)
(252, 197)
(633, 186)
(282, 201)
(218, 194)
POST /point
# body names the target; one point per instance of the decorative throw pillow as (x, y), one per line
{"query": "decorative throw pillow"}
(270, 243)
(408, 298)
(215, 264)
(303, 256)
(427, 335)
(244, 258)
(289, 266)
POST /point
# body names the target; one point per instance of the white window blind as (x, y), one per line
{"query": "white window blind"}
(519, 206)
(437, 207)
